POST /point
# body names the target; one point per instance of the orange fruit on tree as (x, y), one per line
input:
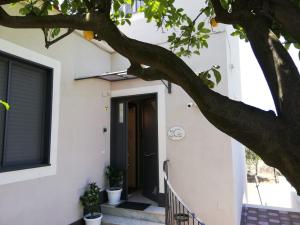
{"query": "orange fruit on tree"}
(213, 22)
(88, 35)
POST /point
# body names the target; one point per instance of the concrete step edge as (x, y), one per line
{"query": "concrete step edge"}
(117, 220)
(153, 214)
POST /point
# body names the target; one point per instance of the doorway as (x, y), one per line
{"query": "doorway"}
(134, 144)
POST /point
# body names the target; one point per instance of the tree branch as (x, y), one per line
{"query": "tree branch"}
(280, 10)
(105, 6)
(234, 17)
(148, 74)
(278, 67)
(283, 11)
(80, 22)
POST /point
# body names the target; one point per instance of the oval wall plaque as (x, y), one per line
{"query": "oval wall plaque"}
(176, 133)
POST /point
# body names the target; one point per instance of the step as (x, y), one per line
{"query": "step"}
(117, 220)
(152, 213)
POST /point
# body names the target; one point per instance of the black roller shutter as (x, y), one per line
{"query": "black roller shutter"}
(25, 128)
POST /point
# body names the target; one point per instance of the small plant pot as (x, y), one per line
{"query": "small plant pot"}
(181, 218)
(95, 220)
(114, 195)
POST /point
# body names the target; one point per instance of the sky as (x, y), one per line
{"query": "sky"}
(255, 91)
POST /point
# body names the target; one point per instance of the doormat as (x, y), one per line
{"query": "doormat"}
(133, 205)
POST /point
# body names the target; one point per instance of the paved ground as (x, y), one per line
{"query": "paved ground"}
(260, 216)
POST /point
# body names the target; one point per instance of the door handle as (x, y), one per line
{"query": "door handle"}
(148, 155)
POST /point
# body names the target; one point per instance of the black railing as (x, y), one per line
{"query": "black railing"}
(177, 213)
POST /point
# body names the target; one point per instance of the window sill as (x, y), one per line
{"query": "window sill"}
(27, 174)
(24, 167)
(34, 57)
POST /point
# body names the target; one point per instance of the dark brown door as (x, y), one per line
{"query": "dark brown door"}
(146, 143)
(149, 148)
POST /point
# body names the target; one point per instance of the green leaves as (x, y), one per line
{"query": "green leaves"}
(239, 32)
(39, 8)
(114, 176)
(206, 76)
(217, 74)
(225, 4)
(192, 37)
(119, 16)
(54, 32)
(5, 104)
(189, 34)
(90, 200)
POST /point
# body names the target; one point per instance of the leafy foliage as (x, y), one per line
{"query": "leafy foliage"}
(189, 36)
(119, 16)
(206, 76)
(239, 31)
(114, 176)
(90, 200)
(252, 160)
(5, 104)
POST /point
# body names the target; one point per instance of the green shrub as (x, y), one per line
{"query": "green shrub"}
(90, 200)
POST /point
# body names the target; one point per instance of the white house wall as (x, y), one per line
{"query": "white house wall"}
(83, 149)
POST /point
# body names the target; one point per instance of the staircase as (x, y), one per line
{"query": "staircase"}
(118, 216)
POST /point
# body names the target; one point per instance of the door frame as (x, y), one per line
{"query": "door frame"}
(159, 90)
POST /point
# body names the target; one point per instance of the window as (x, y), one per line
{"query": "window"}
(25, 129)
(134, 9)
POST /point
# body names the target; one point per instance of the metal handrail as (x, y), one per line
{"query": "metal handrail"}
(177, 212)
(257, 187)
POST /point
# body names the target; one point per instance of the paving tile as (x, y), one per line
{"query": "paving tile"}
(273, 214)
(274, 221)
(263, 223)
(285, 219)
(264, 216)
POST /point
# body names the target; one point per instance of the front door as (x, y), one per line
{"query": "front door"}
(146, 142)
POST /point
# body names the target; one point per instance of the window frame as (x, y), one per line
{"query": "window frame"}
(12, 60)
(15, 53)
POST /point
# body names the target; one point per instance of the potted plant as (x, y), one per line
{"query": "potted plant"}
(115, 179)
(90, 200)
